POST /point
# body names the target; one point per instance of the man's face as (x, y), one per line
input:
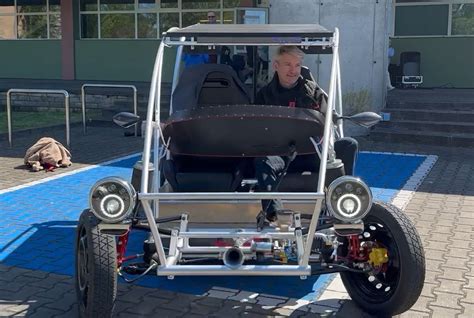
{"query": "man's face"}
(211, 18)
(288, 67)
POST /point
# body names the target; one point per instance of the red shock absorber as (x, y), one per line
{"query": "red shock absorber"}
(121, 247)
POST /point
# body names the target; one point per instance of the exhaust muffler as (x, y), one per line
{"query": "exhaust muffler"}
(233, 257)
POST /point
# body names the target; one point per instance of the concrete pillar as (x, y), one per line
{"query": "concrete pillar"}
(67, 40)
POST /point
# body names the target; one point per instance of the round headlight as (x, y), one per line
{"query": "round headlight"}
(348, 199)
(112, 199)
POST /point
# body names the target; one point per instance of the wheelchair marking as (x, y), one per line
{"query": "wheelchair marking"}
(51, 218)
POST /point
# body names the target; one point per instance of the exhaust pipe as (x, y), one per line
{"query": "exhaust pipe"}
(233, 257)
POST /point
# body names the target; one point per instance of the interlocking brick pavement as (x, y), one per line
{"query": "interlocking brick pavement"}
(98, 145)
(443, 212)
(442, 209)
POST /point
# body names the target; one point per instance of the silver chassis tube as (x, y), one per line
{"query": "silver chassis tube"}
(304, 43)
(234, 234)
(245, 270)
(169, 267)
(176, 72)
(340, 123)
(328, 128)
(229, 196)
(152, 127)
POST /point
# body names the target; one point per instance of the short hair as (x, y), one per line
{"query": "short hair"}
(289, 49)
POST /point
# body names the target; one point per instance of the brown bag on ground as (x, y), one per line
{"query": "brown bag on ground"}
(48, 154)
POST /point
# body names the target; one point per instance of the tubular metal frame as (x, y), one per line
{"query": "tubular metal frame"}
(83, 101)
(38, 91)
(176, 72)
(150, 201)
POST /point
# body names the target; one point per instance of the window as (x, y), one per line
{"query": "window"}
(434, 18)
(148, 19)
(24, 19)
(421, 20)
(147, 25)
(462, 22)
(117, 25)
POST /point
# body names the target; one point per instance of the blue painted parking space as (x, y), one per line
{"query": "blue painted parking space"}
(38, 223)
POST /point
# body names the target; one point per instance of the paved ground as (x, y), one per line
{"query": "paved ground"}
(442, 208)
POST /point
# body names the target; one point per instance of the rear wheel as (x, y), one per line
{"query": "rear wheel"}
(394, 287)
(96, 267)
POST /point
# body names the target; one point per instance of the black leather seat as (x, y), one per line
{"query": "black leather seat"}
(203, 174)
(203, 86)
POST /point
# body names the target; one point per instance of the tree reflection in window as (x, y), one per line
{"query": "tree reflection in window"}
(168, 4)
(117, 25)
(463, 19)
(54, 26)
(147, 25)
(190, 18)
(209, 4)
(152, 17)
(32, 27)
(168, 20)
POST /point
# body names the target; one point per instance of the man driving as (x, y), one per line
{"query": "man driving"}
(289, 88)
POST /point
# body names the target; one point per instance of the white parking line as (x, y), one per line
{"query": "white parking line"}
(333, 294)
(65, 174)
(336, 287)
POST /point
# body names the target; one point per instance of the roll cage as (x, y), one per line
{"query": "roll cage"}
(311, 39)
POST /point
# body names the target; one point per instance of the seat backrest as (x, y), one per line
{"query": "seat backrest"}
(198, 174)
(209, 84)
(220, 88)
(307, 75)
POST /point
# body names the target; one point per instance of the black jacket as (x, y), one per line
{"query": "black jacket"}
(306, 94)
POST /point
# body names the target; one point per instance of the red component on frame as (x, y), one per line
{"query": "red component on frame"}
(121, 247)
(355, 252)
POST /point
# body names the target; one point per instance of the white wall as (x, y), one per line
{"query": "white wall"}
(363, 26)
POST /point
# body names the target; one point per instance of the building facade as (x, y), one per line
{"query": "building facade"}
(443, 33)
(117, 39)
(95, 39)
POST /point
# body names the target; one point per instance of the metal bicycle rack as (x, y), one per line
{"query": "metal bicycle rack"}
(38, 91)
(83, 100)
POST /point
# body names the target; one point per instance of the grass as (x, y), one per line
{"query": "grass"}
(29, 120)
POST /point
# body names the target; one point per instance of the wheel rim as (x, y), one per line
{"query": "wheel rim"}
(82, 268)
(380, 286)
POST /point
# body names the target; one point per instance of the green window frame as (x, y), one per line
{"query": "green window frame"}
(23, 20)
(433, 18)
(148, 19)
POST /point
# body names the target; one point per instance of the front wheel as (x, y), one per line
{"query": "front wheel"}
(395, 286)
(96, 268)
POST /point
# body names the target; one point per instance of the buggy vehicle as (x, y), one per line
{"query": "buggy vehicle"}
(199, 206)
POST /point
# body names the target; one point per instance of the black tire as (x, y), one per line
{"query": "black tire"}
(96, 269)
(403, 280)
